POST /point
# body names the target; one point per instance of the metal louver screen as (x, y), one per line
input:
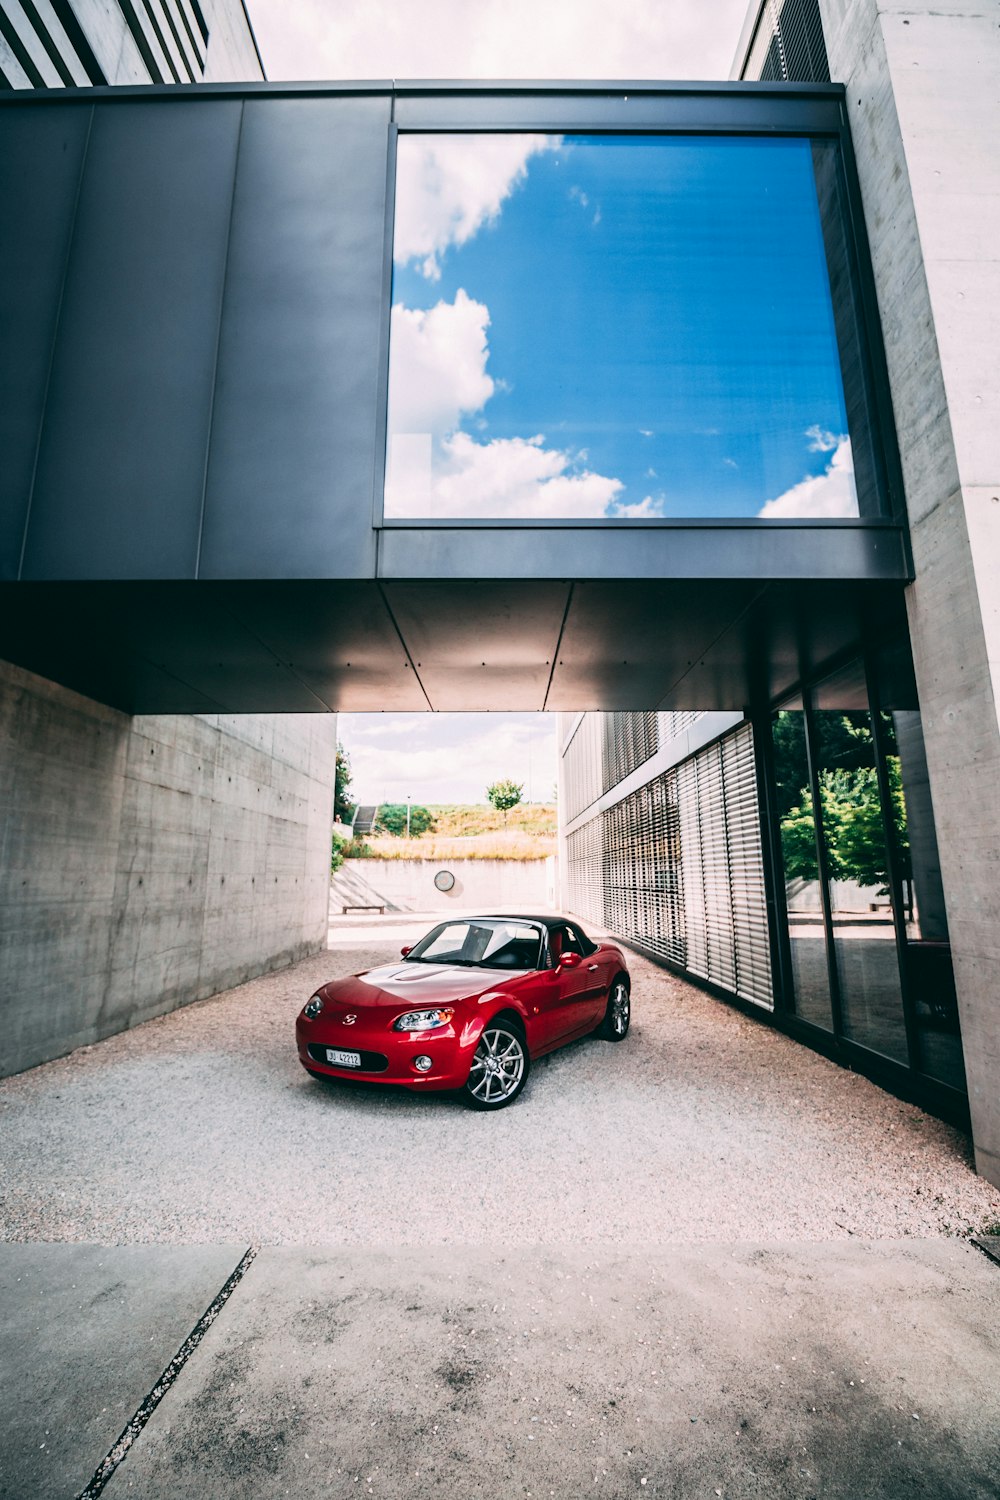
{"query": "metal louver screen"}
(788, 46)
(582, 776)
(629, 741)
(676, 868)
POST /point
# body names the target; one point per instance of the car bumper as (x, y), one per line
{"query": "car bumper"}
(389, 1057)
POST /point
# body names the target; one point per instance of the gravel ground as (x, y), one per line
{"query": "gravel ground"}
(202, 1127)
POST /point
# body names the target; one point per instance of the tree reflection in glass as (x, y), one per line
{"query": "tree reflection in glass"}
(620, 326)
(797, 822)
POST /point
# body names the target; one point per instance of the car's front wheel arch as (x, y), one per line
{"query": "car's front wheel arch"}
(512, 1017)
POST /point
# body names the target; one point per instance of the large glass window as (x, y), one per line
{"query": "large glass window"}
(857, 857)
(928, 952)
(623, 326)
(803, 893)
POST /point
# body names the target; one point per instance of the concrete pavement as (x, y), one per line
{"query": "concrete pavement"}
(720, 1370)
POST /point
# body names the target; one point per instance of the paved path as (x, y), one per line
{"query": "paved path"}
(721, 1370)
(707, 1259)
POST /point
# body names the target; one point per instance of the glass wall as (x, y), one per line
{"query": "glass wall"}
(858, 867)
(930, 980)
(803, 890)
(624, 326)
(866, 925)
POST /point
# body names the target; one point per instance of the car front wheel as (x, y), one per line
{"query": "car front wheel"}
(499, 1068)
(614, 1027)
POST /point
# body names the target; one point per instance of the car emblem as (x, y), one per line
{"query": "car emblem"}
(349, 1020)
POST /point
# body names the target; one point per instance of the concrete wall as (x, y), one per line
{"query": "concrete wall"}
(922, 97)
(147, 862)
(408, 884)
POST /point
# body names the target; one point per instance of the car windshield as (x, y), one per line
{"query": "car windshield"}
(494, 944)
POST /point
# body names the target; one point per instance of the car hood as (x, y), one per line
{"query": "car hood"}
(416, 985)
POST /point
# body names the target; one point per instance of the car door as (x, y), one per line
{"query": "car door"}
(570, 998)
(587, 981)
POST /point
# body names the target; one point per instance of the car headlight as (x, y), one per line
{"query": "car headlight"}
(313, 1007)
(422, 1020)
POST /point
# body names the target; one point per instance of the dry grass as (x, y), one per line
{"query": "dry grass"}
(517, 846)
(465, 832)
(456, 821)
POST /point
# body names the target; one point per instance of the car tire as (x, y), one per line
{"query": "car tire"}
(492, 1087)
(614, 1027)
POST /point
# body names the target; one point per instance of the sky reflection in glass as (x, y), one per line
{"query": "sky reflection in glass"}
(636, 326)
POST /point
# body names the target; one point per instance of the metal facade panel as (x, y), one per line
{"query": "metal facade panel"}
(757, 550)
(293, 453)
(485, 645)
(621, 106)
(121, 466)
(43, 145)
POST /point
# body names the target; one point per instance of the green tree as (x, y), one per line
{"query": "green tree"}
(852, 825)
(504, 795)
(392, 819)
(338, 845)
(343, 807)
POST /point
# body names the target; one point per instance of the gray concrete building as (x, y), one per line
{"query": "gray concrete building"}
(662, 841)
(920, 92)
(666, 407)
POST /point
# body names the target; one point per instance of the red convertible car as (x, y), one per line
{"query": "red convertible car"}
(469, 1007)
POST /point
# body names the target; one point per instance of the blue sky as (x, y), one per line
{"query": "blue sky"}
(653, 310)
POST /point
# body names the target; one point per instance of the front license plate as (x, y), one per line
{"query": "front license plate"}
(338, 1059)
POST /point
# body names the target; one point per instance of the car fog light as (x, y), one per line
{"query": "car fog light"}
(423, 1064)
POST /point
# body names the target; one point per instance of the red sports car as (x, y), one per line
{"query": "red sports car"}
(470, 1007)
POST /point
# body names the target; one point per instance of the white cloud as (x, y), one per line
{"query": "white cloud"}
(650, 506)
(821, 496)
(498, 39)
(449, 186)
(437, 377)
(438, 365)
(514, 477)
(821, 440)
(448, 757)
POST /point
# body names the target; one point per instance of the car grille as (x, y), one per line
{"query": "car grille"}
(371, 1062)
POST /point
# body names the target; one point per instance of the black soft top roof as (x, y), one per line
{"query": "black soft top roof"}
(549, 922)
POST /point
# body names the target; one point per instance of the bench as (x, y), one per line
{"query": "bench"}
(373, 907)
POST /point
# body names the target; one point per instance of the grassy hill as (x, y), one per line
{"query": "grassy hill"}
(458, 821)
(472, 832)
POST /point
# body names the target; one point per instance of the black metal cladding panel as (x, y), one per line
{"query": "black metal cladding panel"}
(762, 550)
(292, 464)
(44, 145)
(624, 108)
(120, 481)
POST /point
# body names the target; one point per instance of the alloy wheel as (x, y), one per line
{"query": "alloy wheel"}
(497, 1067)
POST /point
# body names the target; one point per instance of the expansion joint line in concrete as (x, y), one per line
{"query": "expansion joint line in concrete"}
(120, 1447)
(989, 1244)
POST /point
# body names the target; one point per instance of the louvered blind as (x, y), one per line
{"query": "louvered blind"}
(629, 741)
(676, 868)
(788, 46)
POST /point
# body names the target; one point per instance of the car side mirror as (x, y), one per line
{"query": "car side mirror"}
(568, 960)
(406, 951)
